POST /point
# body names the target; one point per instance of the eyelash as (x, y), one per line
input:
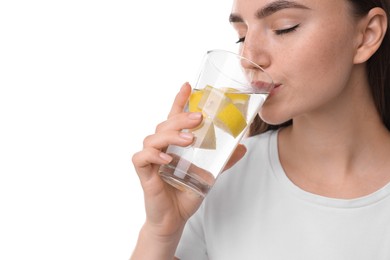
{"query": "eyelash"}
(277, 32)
(288, 30)
(242, 39)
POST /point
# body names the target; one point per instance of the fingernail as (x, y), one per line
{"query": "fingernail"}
(183, 86)
(186, 135)
(165, 157)
(195, 115)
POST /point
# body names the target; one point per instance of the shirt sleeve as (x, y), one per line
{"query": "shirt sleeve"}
(192, 245)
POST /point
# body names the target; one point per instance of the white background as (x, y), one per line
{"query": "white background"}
(82, 83)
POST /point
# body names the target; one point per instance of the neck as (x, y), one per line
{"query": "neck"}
(335, 150)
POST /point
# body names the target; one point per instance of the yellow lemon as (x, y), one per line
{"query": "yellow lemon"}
(223, 107)
(240, 100)
(231, 120)
(198, 98)
(193, 103)
(212, 101)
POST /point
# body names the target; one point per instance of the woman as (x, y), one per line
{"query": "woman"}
(313, 180)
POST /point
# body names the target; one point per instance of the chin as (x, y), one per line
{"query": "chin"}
(273, 118)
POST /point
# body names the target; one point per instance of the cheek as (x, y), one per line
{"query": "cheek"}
(322, 59)
(329, 63)
(323, 55)
(313, 73)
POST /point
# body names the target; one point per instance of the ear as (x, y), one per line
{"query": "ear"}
(372, 30)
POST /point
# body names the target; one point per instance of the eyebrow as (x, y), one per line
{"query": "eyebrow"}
(268, 10)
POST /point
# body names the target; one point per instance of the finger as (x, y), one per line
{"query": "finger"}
(180, 121)
(236, 156)
(149, 156)
(146, 165)
(180, 99)
(162, 140)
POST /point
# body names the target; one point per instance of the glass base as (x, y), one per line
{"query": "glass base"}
(187, 183)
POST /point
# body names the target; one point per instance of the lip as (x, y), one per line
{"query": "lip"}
(275, 89)
(262, 87)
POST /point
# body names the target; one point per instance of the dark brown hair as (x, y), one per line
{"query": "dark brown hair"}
(378, 70)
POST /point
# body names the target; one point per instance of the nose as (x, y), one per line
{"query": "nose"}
(255, 49)
(257, 59)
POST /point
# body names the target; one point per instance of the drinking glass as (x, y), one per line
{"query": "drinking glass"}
(229, 92)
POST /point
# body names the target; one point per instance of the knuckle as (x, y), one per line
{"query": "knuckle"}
(146, 141)
(135, 158)
(159, 127)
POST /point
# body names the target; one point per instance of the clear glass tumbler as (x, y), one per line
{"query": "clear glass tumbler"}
(229, 92)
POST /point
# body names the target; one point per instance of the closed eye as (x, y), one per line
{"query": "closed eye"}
(277, 32)
(287, 30)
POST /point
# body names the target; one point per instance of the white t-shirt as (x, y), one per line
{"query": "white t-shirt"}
(255, 212)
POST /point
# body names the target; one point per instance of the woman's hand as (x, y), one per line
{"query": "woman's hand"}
(167, 208)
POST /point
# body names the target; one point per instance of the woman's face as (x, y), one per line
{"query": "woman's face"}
(308, 48)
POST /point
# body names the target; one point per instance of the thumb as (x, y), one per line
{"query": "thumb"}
(236, 156)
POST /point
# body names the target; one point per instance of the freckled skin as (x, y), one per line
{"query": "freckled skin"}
(314, 63)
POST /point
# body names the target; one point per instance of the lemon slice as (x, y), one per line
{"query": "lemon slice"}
(241, 101)
(193, 103)
(205, 135)
(212, 101)
(231, 120)
(198, 99)
(223, 107)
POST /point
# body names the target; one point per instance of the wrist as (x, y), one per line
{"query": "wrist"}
(153, 244)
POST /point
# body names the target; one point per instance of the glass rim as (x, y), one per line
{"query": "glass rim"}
(237, 55)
